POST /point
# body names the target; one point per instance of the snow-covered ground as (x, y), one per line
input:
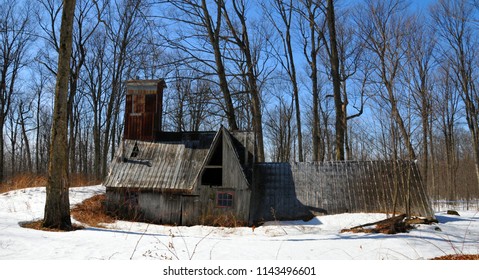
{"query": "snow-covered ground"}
(318, 239)
(284, 244)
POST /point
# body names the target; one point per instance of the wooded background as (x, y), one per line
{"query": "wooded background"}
(315, 80)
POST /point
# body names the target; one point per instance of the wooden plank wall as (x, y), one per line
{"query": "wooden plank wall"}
(233, 176)
(339, 187)
(160, 208)
(274, 195)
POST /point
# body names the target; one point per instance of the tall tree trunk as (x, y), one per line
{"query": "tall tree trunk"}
(37, 133)
(399, 121)
(25, 138)
(2, 152)
(432, 181)
(425, 131)
(286, 12)
(242, 40)
(214, 38)
(316, 131)
(334, 60)
(57, 205)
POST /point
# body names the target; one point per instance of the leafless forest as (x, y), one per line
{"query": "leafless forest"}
(316, 80)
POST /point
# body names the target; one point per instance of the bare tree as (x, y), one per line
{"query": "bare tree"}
(15, 36)
(279, 130)
(241, 37)
(123, 29)
(95, 82)
(309, 11)
(86, 22)
(57, 205)
(384, 28)
(420, 68)
(285, 11)
(453, 21)
(447, 112)
(24, 108)
(205, 21)
(333, 53)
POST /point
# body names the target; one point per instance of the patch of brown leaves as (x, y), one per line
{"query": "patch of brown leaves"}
(38, 225)
(458, 257)
(92, 211)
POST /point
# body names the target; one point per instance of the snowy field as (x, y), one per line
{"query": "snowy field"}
(318, 239)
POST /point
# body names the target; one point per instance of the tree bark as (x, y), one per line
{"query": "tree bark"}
(25, 137)
(242, 40)
(312, 60)
(214, 38)
(286, 10)
(334, 60)
(57, 205)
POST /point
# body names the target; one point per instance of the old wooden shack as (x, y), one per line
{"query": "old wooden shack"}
(182, 178)
(189, 178)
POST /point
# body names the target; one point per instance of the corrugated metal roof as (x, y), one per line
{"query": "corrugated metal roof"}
(157, 166)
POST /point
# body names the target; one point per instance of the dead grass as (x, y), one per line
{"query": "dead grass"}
(38, 225)
(223, 220)
(458, 257)
(31, 180)
(22, 181)
(80, 180)
(92, 211)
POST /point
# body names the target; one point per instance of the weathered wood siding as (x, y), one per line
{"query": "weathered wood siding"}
(144, 109)
(234, 181)
(338, 187)
(154, 207)
(209, 211)
(190, 210)
(233, 175)
(167, 177)
(162, 208)
(274, 194)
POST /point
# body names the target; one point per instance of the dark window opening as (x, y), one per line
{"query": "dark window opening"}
(212, 177)
(135, 151)
(217, 157)
(224, 199)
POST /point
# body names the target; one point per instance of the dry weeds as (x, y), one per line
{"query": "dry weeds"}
(224, 220)
(31, 180)
(22, 181)
(458, 257)
(92, 212)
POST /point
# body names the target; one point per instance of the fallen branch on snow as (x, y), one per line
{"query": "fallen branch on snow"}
(393, 225)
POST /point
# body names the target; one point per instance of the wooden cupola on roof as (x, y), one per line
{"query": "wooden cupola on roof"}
(144, 108)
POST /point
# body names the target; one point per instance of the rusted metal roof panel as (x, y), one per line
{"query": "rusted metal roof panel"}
(156, 166)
